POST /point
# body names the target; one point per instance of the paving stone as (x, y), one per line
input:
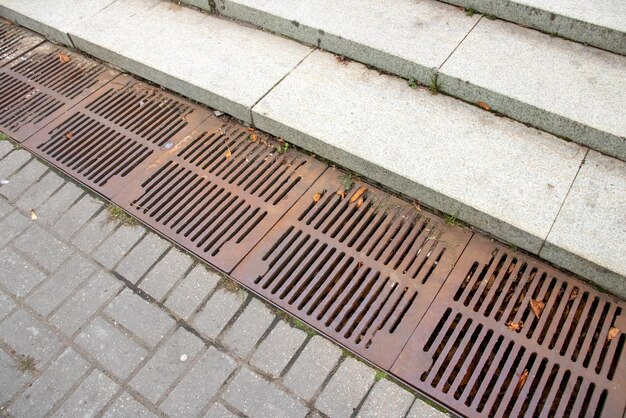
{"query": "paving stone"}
(28, 337)
(94, 232)
(12, 162)
(218, 311)
(278, 348)
(88, 398)
(199, 385)
(191, 291)
(166, 273)
(6, 305)
(11, 379)
(114, 350)
(5, 148)
(410, 39)
(16, 274)
(5, 207)
(138, 36)
(312, 367)
(386, 399)
(43, 248)
(51, 210)
(118, 244)
(219, 411)
(58, 287)
(421, 409)
(52, 21)
(142, 257)
(77, 310)
(588, 235)
(166, 366)
(77, 215)
(346, 389)
(248, 328)
(39, 192)
(145, 320)
(11, 226)
(23, 179)
(126, 406)
(41, 396)
(557, 85)
(464, 161)
(256, 397)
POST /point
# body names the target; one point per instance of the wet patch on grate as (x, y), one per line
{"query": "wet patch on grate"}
(106, 137)
(43, 84)
(509, 336)
(219, 191)
(356, 263)
(14, 41)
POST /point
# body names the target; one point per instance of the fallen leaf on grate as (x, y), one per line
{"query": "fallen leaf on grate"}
(253, 137)
(341, 193)
(63, 58)
(69, 134)
(359, 202)
(613, 332)
(357, 194)
(574, 293)
(537, 306)
(228, 153)
(317, 197)
(521, 382)
(515, 326)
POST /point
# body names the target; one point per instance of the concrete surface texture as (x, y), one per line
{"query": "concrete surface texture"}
(411, 39)
(219, 63)
(560, 86)
(598, 23)
(79, 337)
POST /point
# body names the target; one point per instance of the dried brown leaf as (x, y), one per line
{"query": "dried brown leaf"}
(359, 202)
(484, 105)
(613, 332)
(317, 197)
(537, 306)
(574, 293)
(341, 193)
(33, 215)
(417, 206)
(515, 326)
(69, 134)
(253, 137)
(357, 194)
(250, 129)
(63, 58)
(521, 382)
(228, 153)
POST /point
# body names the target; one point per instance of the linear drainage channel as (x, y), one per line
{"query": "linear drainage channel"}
(481, 329)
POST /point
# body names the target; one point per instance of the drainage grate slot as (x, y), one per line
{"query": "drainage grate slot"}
(357, 264)
(14, 41)
(108, 135)
(43, 84)
(216, 192)
(530, 341)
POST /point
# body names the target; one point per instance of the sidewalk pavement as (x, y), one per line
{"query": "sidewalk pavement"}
(100, 317)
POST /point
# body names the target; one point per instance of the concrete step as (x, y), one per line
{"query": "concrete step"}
(599, 23)
(504, 177)
(563, 87)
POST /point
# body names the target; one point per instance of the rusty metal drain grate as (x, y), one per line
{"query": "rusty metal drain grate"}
(361, 267)
(217, 192)
(509, 336)
(15, 41)
(107, 136)
(42, 84)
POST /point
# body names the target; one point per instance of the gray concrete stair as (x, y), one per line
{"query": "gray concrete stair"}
(514, 181)
(566, 88)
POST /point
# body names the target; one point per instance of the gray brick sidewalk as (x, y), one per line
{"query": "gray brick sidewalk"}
(102, 318)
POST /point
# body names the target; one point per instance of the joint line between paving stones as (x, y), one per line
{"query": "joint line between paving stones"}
(582, 162)
(279, 81)
(459, 44)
